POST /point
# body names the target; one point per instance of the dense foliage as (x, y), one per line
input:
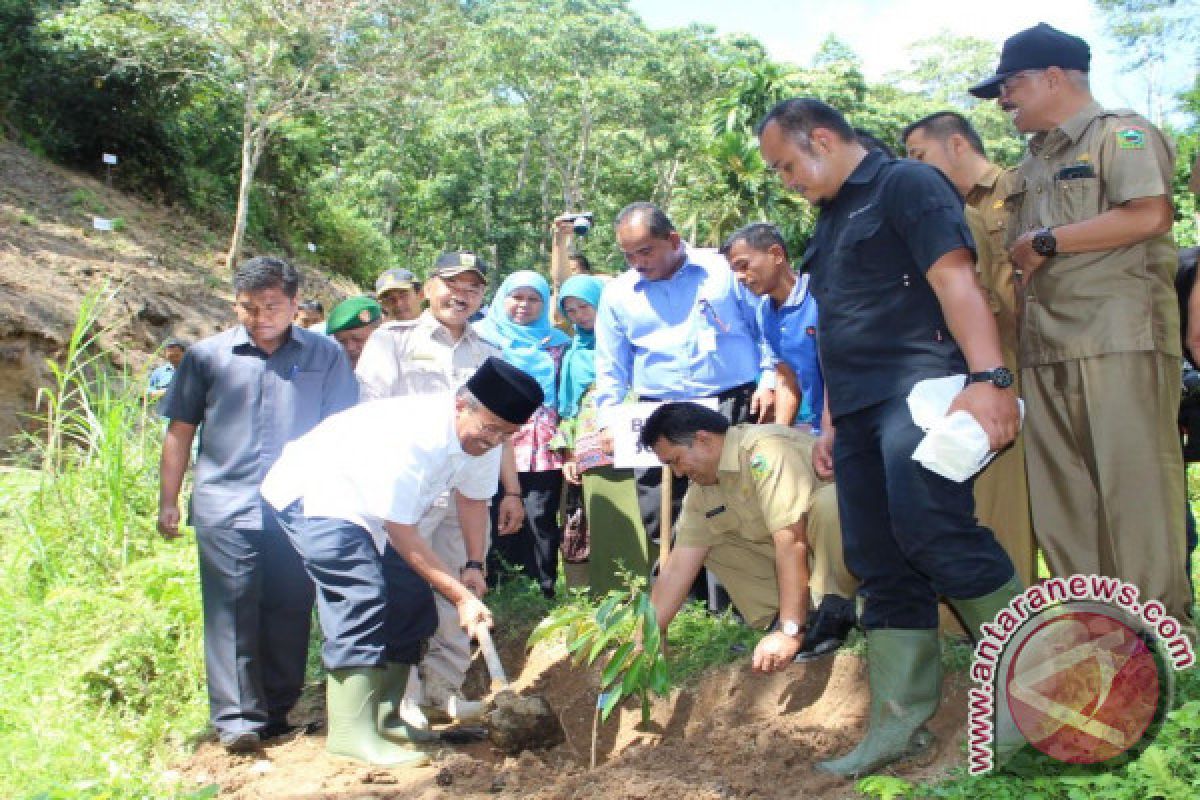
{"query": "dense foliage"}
(386, 132)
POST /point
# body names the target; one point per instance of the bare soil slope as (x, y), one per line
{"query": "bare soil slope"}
(169, 270)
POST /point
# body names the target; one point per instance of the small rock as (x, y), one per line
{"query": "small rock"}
(444, 778)
(498, 784)
(261, 767)
(523, 723)
(378, 777)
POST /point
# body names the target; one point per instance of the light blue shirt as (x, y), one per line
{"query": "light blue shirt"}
(694, 334)
(791, 334)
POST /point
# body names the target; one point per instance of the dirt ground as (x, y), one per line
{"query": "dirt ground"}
(734, 735)
(169, 269)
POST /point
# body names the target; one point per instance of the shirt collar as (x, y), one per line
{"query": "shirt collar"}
(868, 168)
(642, 283)
(453, 445)
(1073, 128)
(241, 338)
(428, 321)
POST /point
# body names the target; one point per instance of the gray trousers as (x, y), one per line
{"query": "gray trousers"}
(257, 613)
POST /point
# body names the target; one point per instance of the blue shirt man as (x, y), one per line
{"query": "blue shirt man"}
(676, 326)
(254, 387)
(787, 317)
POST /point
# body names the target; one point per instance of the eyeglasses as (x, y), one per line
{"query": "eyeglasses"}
(1006, 85)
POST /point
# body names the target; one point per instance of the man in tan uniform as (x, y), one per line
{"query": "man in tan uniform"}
(757, 515)
(437, 352)
(1099, 340)
(947, 141)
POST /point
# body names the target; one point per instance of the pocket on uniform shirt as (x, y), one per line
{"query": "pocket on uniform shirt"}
(857, 266)
(1076, 199)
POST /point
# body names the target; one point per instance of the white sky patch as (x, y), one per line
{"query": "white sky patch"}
(880, 32)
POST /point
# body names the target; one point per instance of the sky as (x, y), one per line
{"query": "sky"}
(880, 31)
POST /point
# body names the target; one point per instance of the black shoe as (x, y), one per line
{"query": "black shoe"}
(279, 728)
(240, 743)
(828, 628)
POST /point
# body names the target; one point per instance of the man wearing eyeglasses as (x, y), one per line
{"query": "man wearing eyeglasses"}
(437, 352)
(1099, 338)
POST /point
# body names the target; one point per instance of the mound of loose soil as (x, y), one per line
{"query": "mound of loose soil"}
(734, 735)
(170, 270)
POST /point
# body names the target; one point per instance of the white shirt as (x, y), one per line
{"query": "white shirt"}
(382, 461)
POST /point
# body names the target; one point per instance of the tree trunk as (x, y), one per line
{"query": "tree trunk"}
(252, 142)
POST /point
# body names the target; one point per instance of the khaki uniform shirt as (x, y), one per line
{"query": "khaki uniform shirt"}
(765, 482)
(418, 356)
(988, 218)
(1079, 305)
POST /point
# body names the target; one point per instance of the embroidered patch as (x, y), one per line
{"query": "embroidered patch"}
(364, 316)
(758, 466)
(1131, 139)
(811, 330)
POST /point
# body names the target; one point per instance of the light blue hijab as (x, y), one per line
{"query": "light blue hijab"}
(579, 362)
(524, 346)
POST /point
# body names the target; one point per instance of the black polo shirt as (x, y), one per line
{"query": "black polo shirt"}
(881, 327)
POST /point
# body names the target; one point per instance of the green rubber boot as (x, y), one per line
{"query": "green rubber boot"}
(352, 698)
(391, 722)
(975, 612)
(905, 671)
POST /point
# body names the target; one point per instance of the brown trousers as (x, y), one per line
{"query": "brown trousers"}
(1106, 480)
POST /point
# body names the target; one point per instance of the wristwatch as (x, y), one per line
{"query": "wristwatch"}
(1000, 377)
(473, 565)
(789, 627)
(1044, 243)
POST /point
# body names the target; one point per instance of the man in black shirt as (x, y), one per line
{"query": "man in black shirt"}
(893, 272)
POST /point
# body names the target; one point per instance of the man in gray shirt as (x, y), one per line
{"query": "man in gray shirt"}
(254, 387)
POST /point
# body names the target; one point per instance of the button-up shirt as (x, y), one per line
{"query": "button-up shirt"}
(693, 334)
(765, 483)
(1079, 305)
(381, 461)
(418, 357)
(791, 335)
(881, 327)
(251, 404)
(989, 219)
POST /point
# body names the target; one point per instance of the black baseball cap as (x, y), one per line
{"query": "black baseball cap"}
(457, 262)
(1038, 47)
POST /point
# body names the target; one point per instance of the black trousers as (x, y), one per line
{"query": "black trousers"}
(533, 548)
(909, 534)
(257, 615)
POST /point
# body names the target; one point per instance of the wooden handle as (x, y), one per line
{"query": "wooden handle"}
(491, 658)
(665, 522)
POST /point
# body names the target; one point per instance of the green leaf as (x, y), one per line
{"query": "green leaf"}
(610, 702)
(615, 664)
(885, 787)
(601, 642)
(606, 608)
(633, 675)
(660, 677)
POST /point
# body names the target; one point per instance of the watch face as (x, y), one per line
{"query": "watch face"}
(790, 628)
(1044, 243)
(1002, 378)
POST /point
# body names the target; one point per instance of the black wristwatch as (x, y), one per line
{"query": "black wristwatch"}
(473, 565)
(1000, 377)
(1044, 243)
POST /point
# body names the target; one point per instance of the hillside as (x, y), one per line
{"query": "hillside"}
(169, 269)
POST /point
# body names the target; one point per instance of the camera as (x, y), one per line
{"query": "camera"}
(582, 223)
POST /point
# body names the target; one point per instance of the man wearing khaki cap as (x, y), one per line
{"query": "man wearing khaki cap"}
(1099, 338)
(399, 293)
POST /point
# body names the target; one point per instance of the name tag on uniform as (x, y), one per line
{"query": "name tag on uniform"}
(714, 512)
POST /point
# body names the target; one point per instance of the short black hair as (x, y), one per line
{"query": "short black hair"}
(679, 423)
(266, 272)
(873, 142)
(759, 235)
(312, 305)
(941, 125)
(659, 223)
(582, 260)
(799, 116)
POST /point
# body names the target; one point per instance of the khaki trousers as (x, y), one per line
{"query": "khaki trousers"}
(1106, 480)
(1002, 504)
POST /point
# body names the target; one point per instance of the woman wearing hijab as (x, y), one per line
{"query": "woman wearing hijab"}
(611, 520)
(518, 323)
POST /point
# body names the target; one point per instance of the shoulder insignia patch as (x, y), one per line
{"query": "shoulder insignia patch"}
(811, 330)
(758, 465)
(1131, 139)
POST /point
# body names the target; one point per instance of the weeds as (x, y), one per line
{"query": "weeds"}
(101, 678)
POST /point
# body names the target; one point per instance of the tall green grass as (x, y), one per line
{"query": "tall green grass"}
(101, 671)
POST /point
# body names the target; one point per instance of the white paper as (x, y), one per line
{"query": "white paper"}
(624, 423)
(102, 224)
(955, 446)
(110, 159)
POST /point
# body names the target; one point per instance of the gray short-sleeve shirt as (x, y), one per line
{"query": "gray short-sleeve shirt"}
(252, 404)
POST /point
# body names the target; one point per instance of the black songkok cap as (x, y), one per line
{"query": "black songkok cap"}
(1038, 47)
(506, 391)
